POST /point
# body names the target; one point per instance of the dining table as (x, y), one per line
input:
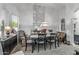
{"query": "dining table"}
(34, 37)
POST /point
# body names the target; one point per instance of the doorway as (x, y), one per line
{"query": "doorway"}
(76, 27)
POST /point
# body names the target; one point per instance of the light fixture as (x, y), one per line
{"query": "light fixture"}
(44, 25)
(8, 30)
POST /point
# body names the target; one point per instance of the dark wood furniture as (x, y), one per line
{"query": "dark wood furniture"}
(57, 39)
(61, 36)
(44, 38)
(8, 44)
(38, 38)
(23, 38)
(33, 43)
(41, 40)
(52, 39)
(32, 39)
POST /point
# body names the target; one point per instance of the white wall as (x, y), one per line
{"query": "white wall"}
(53, 16)
(26, 19)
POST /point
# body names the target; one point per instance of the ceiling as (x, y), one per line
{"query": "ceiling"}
(23, 6)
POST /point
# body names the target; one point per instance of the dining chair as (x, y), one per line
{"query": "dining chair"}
(50, 30)
(62, 37)
(41, 40)
(52, 39)
(58, 38)
(22, 38)
(33, 37)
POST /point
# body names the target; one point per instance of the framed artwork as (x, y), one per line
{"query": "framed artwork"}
(63, 24)
(38, 15)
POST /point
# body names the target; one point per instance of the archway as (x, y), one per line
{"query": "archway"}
(76, 27)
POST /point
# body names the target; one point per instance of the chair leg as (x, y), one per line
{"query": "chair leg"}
(55, 44)
(58, 42)
(44, 46)
(26, 46)
(38, 47)
(32, 47)
(50, 44)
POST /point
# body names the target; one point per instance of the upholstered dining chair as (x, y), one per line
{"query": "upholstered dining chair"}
(32, 39)
(52, 39)
(41, 40)
(22, 39)
(50, 30)
(62, 36)
(58, 38)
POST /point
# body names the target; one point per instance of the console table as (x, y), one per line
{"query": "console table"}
(8, 43)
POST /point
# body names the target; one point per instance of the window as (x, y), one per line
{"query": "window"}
(1, 27)
(14, 22)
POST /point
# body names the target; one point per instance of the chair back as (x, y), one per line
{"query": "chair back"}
(53, 35)
(41, 36)
(50, 30)
(61, 36)
(21, 33)
(34, 32)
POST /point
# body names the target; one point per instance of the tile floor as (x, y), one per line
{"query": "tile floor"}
(62, 50)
